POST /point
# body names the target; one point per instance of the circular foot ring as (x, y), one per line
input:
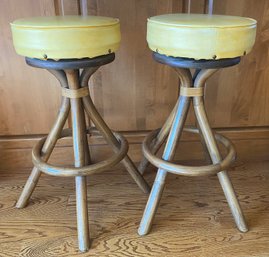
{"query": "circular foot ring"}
(74, 171)
(190, 170)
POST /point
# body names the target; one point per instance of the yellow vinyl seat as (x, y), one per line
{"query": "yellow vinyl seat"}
(201, 36)
(65, 37)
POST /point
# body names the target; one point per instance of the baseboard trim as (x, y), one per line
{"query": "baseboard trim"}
(252, 144)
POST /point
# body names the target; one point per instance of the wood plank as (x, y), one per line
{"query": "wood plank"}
(194, 6)
(29, 96)
(239, 96)
(134, 92)
(193, 219)
(67, 7)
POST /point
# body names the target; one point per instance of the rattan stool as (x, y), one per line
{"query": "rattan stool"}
(71, 40)
(205, 43)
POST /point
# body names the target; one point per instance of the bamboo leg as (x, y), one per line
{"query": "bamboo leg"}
(222, 176)
(185, 79)
(157, 143)
(48, 146)
(87, 152)
(28, 188)
(86, 145)
(110, 138)
(216, 158)
(79, 138)
(178, 118)
(106, 132)
(169, 151)
(205, 152)
(197, 73)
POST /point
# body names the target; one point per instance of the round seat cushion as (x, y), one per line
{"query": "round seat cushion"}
(65, 37)
(201, 36)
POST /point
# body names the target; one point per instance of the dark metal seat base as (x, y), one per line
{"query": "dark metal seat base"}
(64, 64)
(179, 62)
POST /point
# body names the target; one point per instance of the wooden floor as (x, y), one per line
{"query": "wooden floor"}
(193, 219)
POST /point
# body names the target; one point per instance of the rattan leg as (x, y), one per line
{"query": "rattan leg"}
(185, 78)
(79, 143)
(205, 152)
(170, 147)
(222, 176)
(107, 133)
(48, 146)
(110, 138)
(28, 189)
(153, 203)
(159, 140)
(216, 158)
(87, 152)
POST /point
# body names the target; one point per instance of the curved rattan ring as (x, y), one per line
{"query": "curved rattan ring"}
(74, 171)
(190, 170)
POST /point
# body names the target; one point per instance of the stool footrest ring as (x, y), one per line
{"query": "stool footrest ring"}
(74, 171)
(190, 170)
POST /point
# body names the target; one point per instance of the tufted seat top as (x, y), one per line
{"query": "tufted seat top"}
(64, 37)
(201, 36)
